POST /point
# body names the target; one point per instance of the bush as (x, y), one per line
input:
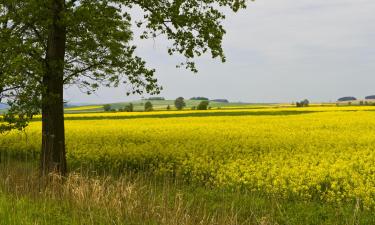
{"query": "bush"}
(179, 103)
(148, 106)
(129, 108)
(304, 103)
(168, 107)
(107, 107)
(203, 105)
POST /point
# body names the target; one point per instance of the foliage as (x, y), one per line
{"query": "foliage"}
(148, 106)
(98, 49)
(107, 107)
(129, 107)
(199, 98)
(349, 98)
(304, 103)
(203, 105)
(179, 103)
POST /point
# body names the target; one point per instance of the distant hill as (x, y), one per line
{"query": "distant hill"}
(220, 100)
(199, 98)
(371, 97)
(348, 98)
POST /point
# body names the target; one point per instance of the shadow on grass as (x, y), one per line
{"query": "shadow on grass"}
(195, 114)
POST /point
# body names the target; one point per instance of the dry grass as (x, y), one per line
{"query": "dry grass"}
(130, 198)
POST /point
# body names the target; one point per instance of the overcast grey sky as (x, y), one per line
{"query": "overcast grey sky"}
(277, 51)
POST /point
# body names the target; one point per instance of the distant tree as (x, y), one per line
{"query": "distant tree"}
(156, 99)
(168, 107)
(349, 98)
(304, 103)
(179, 103)
(371, 97)
(193, 108)
(129, 107)
(203, 105)
(121, 109)
(148, 106)
(220, 100)
(199, 98)
(361, 103)
(107, 107)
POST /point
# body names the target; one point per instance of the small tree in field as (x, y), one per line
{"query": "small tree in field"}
(179, 103)
(107, 107)
(168, 107)
(148, 106)
(304, 103)
(203, 105)
(129, 107)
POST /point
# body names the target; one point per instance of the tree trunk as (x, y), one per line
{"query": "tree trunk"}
(53, 156)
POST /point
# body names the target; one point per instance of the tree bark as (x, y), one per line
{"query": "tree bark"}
(53, 154)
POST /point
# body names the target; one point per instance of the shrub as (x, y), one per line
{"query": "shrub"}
(168, 107)
(304, 103)
(107, 107)
(129, 107)
(179, 103)
(148, 106)
(203, 105)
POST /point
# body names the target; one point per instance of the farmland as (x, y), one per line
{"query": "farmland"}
(322, 155)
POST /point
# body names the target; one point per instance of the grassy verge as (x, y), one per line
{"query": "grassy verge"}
(141, 199)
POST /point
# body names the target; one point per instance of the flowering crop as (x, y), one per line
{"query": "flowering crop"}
(324, 153)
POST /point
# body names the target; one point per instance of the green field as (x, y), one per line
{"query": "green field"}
(159, 105)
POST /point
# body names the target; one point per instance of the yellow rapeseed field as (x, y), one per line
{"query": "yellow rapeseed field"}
(325, 153)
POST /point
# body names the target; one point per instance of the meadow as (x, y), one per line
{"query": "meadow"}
(280, 162)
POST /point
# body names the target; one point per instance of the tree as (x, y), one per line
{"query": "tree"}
(203, 105)
(304, 103)
(148, 106)
(107, 107)
(48, 44)
(129, 107)
(179, 103)
(168, 107)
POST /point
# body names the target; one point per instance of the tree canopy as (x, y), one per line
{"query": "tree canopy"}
(49, 45)
(179, 103)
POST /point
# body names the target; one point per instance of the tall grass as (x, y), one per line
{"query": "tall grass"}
(132, 198)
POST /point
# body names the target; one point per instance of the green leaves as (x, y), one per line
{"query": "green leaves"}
(98, 46)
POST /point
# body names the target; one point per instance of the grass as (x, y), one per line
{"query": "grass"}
(134, 199)
(160, 105)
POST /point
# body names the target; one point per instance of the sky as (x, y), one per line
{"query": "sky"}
(277, 51)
